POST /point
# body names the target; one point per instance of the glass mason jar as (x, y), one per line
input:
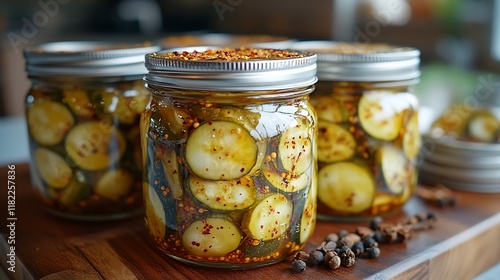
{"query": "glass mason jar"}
(83, 111)
(368, 134)
(229, 145)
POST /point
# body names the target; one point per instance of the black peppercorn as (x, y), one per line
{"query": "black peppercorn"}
(316, 257)
(332, 237)
(375, 222)
(369, 243)
(358, 248)
(298, 265)
(372, 252)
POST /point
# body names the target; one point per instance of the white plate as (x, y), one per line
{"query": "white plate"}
(470, 162)
(465, 148)
(430, 180)
(462, 174)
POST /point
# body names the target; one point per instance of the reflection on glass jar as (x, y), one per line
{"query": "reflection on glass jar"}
(84, 129)
(229, 164)
(368, 135)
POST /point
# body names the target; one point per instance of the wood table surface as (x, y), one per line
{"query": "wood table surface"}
(463, 243)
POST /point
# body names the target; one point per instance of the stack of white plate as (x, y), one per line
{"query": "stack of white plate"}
(460, 165)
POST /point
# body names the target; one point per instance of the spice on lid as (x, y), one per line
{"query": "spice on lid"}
(230, 54)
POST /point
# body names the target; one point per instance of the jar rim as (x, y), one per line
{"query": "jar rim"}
(231, 75)
(368, 62)
(87, 59)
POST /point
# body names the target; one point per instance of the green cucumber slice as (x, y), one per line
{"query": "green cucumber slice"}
(95, 145)
(53, 169)
(269, 218)
(172, 172)
(211, 237)
(346, 187)
(295, 149)
(395, 168)
(285, 181)
(114, 184)
(308, 218)
(49, 121)
(378, 115)
(411, 139)
(221, 150)
(155, 213)
(335, 143)
(224, 195)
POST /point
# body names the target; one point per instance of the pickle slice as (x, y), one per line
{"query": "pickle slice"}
(95, 145)
(335, 143)
(49, 121)
(411, 139)
(175, 119)
(285, 181)
(483, 126)
(395, 168)
(221, 150)
(308, 219)
(346, 187)
(79, 102)
(379, 117)
(211, 237)
(54, 170)
(269, 218)
(224, 195)
(172, 172)
(329, 109)
(77, 191)
(295, 149)
(155, 213)
(114, 184)
(119, 106)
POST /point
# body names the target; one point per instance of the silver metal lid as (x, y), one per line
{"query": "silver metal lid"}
(271, 73)
(338, 61)
(87, 59)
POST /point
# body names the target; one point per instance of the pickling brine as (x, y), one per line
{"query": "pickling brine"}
(368, 133)
(84, 128)
(229, 175)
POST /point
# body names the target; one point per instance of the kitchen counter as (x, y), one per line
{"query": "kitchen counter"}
(462, 244)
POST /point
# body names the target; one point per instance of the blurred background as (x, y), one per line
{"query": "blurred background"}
(456, 37)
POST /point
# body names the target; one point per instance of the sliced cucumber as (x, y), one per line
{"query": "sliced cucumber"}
(346, 187)
(295, 148)
(211, 237)
(155, 213)
(221, 150)
(95, 145)
(269, 218)
(379, 117)
(54, 170)
(118, 105)
(79, 102)
(224, 195)
(242, 116)
(285, 181)
(77, 191)
(176, 119)
(308, 219)
(49, 121)
(172, 173)
(335, 143)
(411, 139)
(395, 168)
(114, 184)
(483, 126)
(329, 109)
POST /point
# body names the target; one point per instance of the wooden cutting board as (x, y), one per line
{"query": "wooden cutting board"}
(463, 243)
